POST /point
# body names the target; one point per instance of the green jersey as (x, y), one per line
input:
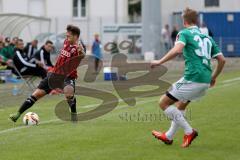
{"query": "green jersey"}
(198, 51)
(7, 52)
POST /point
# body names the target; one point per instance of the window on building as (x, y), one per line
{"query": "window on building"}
(79, 8)
(134, 11)
(211, 3)
(37, 7)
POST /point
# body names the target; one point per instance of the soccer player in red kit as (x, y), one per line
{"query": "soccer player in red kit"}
(65, 67)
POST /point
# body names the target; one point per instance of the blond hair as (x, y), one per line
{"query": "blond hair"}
(190, 16)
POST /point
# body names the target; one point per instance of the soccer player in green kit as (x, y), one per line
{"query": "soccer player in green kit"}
(198, 50)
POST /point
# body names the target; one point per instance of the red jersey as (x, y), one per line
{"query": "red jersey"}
(67, 61)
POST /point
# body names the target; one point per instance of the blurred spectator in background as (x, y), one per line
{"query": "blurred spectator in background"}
(7, 41)
(2, 55)
(12, 44)
(203, 29)
(25, 65)
(43, 54)
(4, 59)
(96, 51)
(8, 50)
(210, 33)
(166, 36)
(1, 38)
(174, 34)
(31, 48)
(1, 45)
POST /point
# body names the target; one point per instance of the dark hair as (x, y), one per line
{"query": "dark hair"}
(7, 39)
(15, 38)
(48, 42)
(190, 16)
(19, 40)
(74, 30)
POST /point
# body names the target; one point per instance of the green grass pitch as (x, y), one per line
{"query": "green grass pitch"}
(120, 134)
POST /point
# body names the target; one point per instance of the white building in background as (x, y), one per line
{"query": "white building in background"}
(89, 15)
(168, 7)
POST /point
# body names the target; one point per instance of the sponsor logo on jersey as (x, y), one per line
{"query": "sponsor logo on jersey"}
(73, 50)
(65, 53)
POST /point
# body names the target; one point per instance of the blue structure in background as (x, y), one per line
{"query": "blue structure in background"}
(225, 27)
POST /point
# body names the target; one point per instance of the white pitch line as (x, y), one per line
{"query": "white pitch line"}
(22, 127)
(231, 80)
(226, 84)
(56, 120)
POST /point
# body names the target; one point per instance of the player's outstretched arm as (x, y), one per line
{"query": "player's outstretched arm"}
(220, 64)
(177, 49)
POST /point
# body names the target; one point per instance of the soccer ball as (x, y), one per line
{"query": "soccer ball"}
(31, 119)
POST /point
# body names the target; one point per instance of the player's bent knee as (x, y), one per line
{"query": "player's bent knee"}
(68, 92)
(69, 96)
(39, 93)
(162, 103)
(181, 105)
(165, 102)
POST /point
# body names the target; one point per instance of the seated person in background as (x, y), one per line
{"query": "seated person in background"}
(5, 60)
(6, 51)
(2, 53)
(25, 65)
(9, 48)
(7, 41)
(43, 55)
(2, 63)
(31, 48)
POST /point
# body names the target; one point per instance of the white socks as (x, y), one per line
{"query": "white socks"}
(173, 128)
(178, 118)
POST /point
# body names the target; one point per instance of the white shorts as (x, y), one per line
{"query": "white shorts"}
(186, 91)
